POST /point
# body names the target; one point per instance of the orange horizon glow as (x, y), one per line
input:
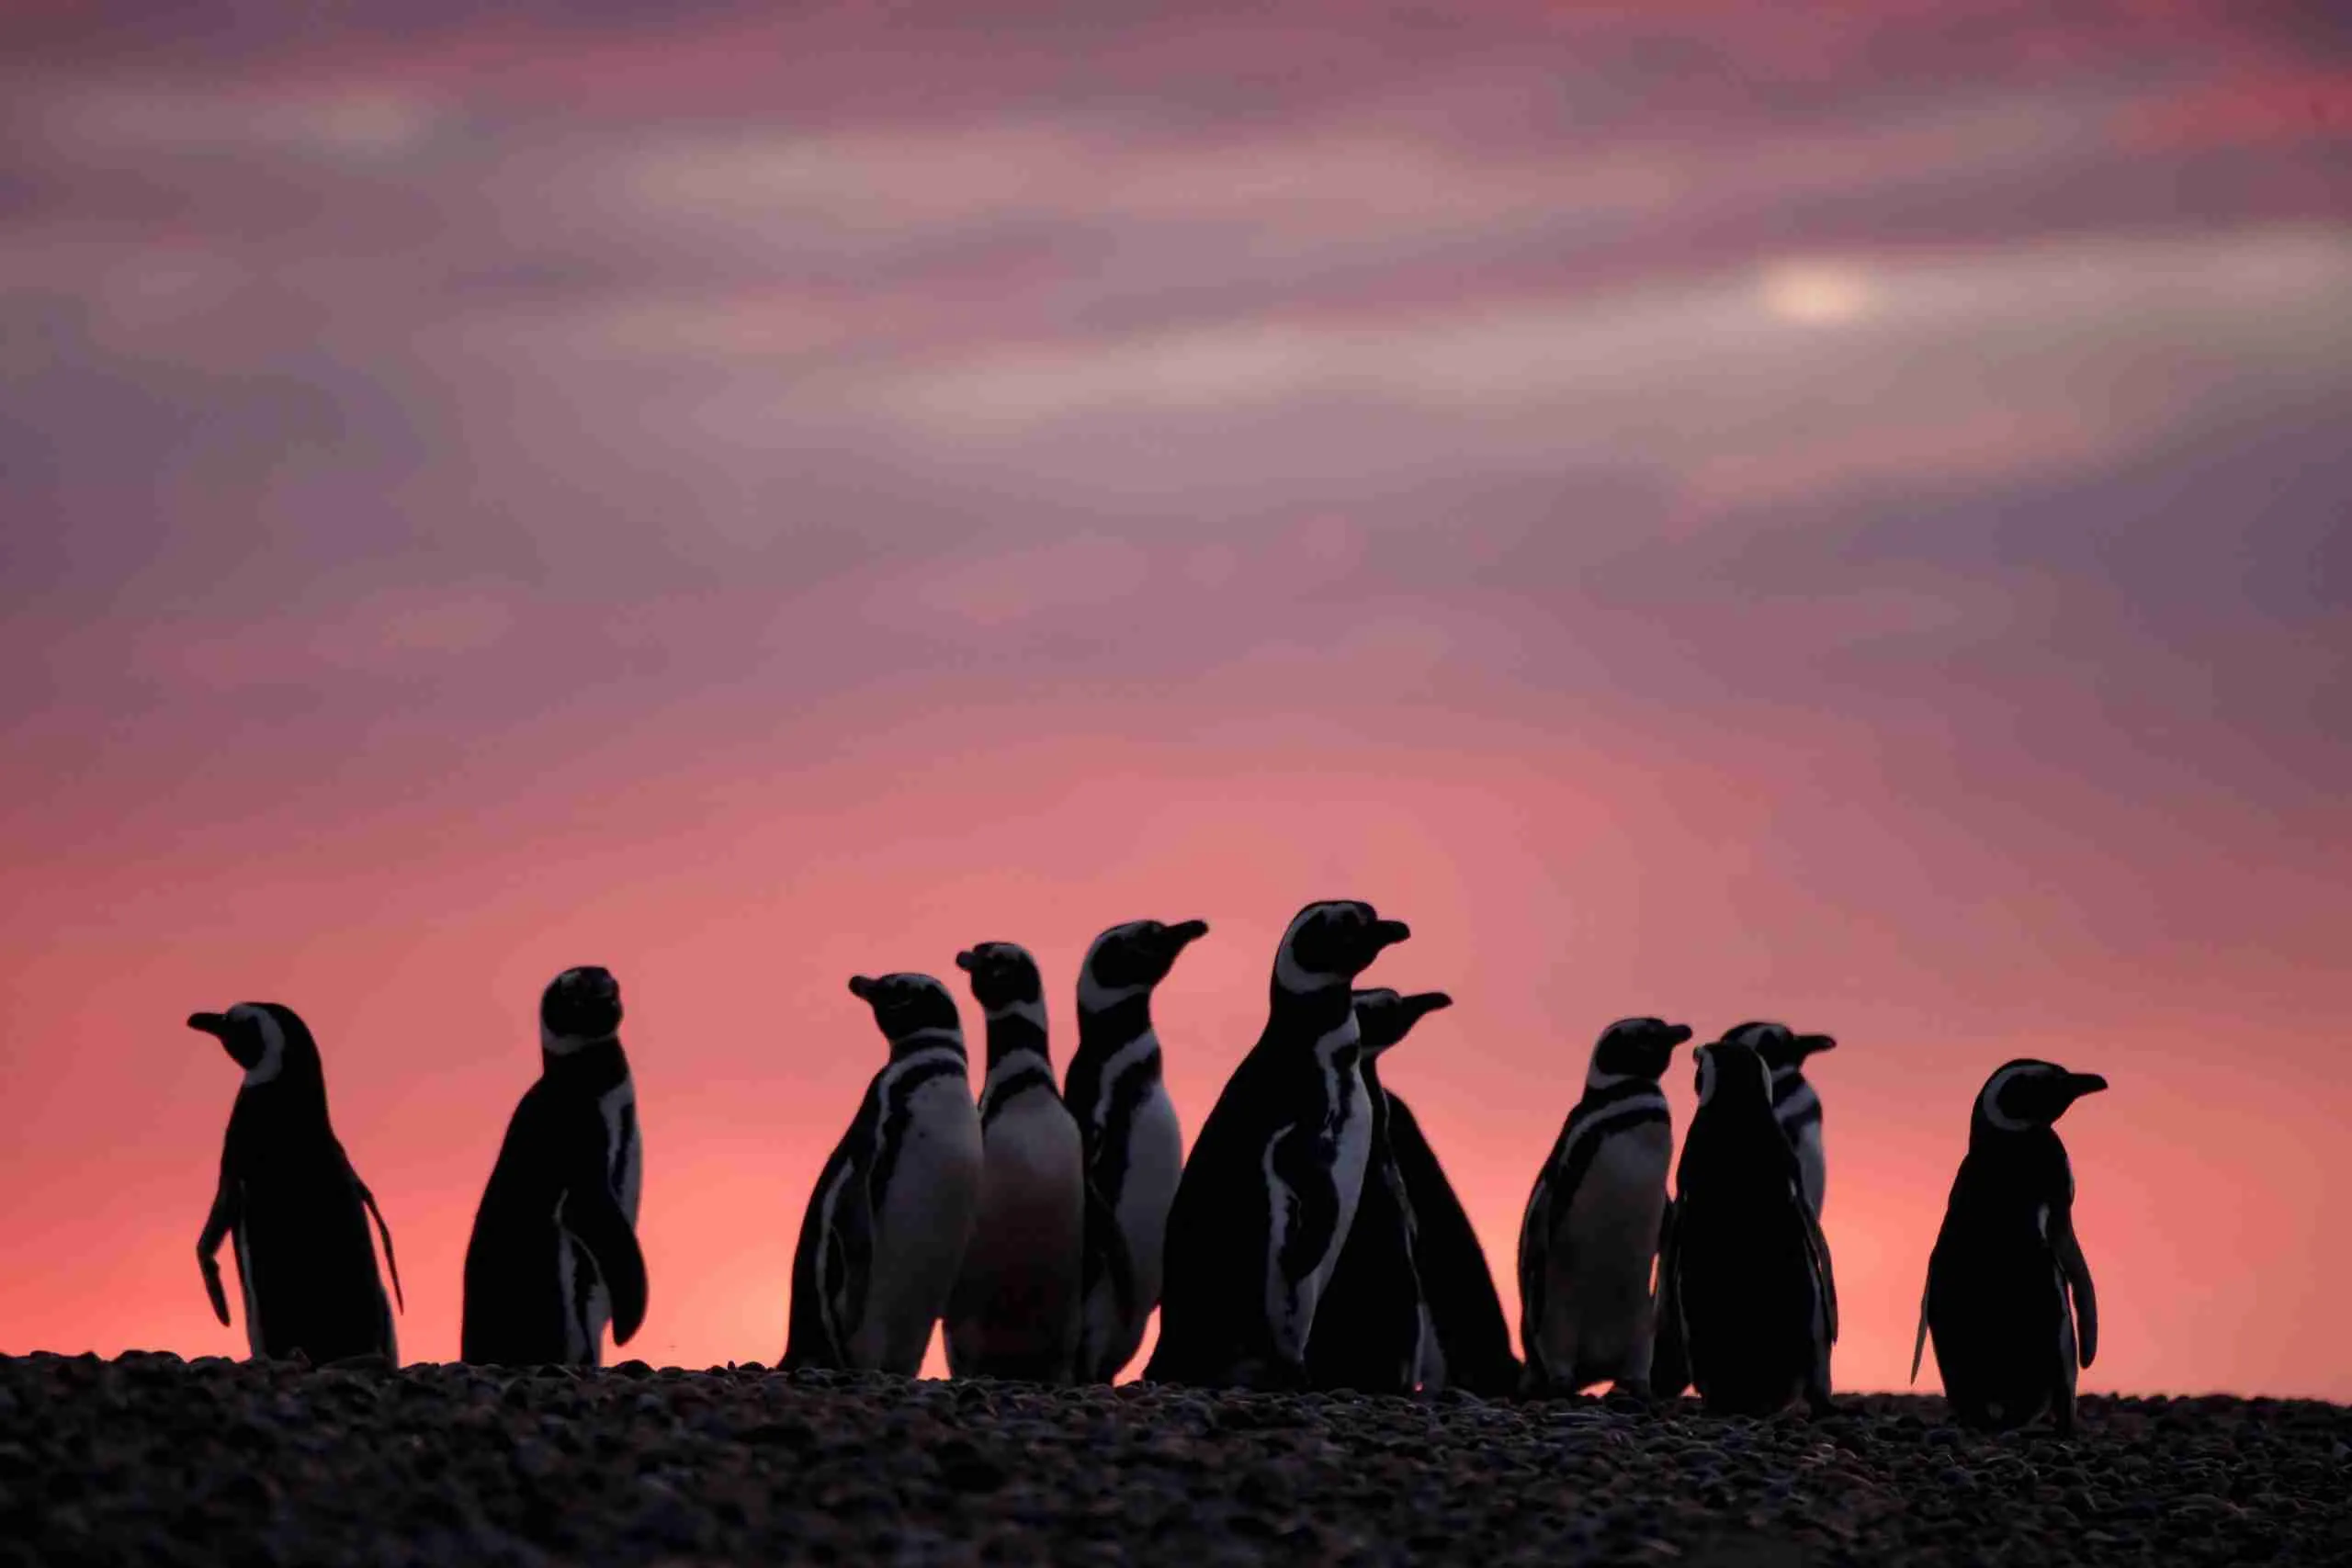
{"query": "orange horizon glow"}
(1701, 512)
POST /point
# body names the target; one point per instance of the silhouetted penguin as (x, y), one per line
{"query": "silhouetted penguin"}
(2007, 1259)
(1272, 1184)
(1014, 1311)
(1749, 1268)
(1373, 1323)
(1134, 1151)
(1467, 1342)
(554, 1255)
(291, 1198)
(1794, 1102)
(883, 1236)
(1588, 1239)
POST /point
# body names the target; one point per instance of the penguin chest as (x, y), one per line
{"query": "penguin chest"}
(1607, 1235)
(1017, 1292)
(1032, 1186)
(924, 1212)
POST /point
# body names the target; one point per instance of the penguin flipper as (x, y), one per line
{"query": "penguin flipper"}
(1919, 1345)
(1669, 1359)
(605, 1232)
(1535, 1242)
(2077, 1272)
(846, 1262)
(384, 1231)
(207, 1245)
(1817, 1246)
(1104, 1258)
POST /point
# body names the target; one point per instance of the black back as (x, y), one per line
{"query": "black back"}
(1465, 1311)
(1748, 1272)
(295, 1204)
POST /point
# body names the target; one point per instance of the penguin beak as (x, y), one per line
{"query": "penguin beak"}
(2081, 1084)
(862, 986)
(1810, 1044)
(1676, 1033)
(964, 960)
(217, 1025)
(1421, 1004)
(1388, 933)
(1183, 936)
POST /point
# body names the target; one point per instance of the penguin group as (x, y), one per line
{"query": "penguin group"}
(1310, 1240)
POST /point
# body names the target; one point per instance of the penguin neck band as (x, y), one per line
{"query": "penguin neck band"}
(556, 1044)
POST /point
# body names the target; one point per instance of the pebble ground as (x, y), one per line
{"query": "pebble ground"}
(155, 1460)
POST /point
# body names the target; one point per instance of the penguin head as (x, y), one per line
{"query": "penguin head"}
(1129, 960)
(1384, 1017)
(1329, 944)
(2026, 1095)
(910, 1007)
(1635, 1048)
(580, 1007)
(1784, 1051)
(1732, 1074)
(1004, 977)
(266, 1039)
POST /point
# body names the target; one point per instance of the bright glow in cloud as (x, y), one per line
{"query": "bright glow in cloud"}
(1816, 294)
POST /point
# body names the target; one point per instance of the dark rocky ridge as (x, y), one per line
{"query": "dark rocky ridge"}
(151, 1459)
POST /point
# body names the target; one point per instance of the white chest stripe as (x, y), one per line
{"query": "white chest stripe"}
(624, 1146)
(1282, 1301)
(1029, 1010)
(1602, 1124)
(272, 1050)
(1125, 1060)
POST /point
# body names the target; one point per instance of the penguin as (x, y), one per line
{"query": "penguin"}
(1267, 1196)
(554, 1258)
(2007, 1261)
(1467, 1343)
(1588, 1239)
(291, 1198)
(1133, 1147)
(1015, 1310)
(1796, 1104)
(1374, 1321)
(886, 1229)
(1797, 1108)
(1746, 1266)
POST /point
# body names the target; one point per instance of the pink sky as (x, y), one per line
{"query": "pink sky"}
(1701, 512)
